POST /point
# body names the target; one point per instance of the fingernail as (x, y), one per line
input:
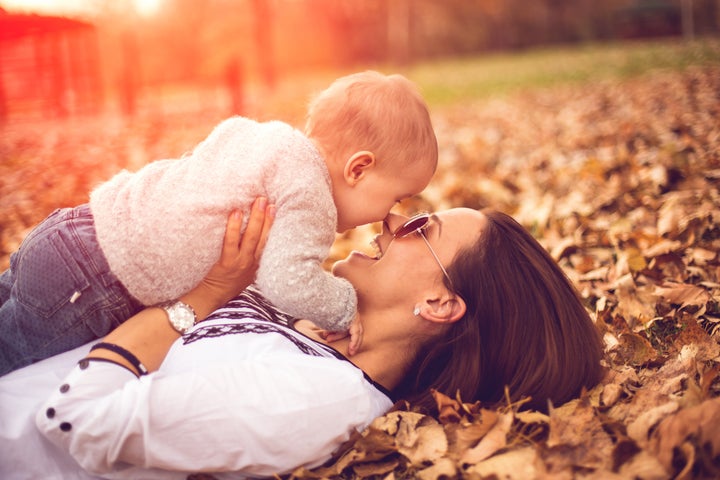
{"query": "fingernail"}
(236, 214)
(271, 211)
(261, 203)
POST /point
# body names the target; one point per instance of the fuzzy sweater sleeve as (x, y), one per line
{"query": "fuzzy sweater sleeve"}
(291, 275)
(161, 227)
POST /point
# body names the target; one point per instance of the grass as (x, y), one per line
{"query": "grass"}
(448, 81)
(465, 79)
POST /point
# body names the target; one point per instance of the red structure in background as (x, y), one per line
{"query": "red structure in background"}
(49, 67)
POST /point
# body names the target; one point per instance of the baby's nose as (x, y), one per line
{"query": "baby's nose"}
(393, 221)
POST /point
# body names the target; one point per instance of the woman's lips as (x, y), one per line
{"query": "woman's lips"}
(377, 250)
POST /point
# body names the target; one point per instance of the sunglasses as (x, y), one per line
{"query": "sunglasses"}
(418, 224)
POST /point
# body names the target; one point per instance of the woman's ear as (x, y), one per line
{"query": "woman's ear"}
(448, 308)
(357, 166)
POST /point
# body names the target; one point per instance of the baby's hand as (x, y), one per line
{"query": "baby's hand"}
(356, 335)
(355, 332)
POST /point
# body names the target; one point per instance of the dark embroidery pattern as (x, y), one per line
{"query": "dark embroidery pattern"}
(264, 317)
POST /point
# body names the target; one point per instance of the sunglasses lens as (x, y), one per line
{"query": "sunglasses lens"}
(412, 225)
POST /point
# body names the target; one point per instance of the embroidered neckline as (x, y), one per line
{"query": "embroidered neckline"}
(259, 316)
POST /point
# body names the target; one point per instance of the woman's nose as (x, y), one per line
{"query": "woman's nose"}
(393, 221)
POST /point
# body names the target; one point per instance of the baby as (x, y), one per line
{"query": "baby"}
(146, 238)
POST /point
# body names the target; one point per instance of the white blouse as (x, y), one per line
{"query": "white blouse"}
(241, 392)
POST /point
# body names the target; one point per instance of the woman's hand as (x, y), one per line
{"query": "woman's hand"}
(239, 259)
(148, 335)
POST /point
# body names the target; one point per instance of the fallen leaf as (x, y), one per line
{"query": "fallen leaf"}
(577, 437)
(521, 464)
(424, 443)
(697, 428)
(683, 294)
(495, 440)
(442, 469)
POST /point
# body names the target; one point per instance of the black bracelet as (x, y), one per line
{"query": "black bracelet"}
(123, 353)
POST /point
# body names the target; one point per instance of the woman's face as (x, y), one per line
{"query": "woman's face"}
(405, 266)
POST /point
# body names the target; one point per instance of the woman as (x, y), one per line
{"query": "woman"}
(459, 301)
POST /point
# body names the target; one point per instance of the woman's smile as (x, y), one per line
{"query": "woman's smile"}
(377, 247)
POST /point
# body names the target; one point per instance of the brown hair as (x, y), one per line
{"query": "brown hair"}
(384, 114)
(525, 327)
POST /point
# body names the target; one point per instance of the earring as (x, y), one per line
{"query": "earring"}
(416, 312)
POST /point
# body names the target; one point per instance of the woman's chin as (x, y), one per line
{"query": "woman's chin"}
(362, 255)
(354, 258)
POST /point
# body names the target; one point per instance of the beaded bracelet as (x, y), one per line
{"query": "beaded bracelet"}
(123, 353)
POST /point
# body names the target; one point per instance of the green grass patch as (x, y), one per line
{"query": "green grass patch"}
(456, 80)
(450, 81)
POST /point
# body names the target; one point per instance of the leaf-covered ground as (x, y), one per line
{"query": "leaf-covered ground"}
(618, 179)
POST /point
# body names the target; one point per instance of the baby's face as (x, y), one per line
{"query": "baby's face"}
(372, 198)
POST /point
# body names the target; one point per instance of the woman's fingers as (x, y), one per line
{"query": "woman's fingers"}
(256, 232)
(232, 235)
(267, 223)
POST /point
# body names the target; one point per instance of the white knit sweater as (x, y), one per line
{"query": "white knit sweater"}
(161, 228)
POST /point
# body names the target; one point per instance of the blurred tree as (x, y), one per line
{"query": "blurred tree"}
(129, 77)
(195, 43)
(235, 84)
(263, 26)
(359, 29)
(399, 27)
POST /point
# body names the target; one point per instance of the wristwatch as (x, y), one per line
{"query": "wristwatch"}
(180, 314)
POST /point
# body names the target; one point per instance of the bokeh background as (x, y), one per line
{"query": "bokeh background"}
(68, 57)
(89, 87)
(594, 123)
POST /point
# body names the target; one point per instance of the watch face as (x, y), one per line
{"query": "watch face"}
(181, 316)
(184, 316)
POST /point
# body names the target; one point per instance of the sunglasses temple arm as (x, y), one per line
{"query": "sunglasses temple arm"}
(435, 256)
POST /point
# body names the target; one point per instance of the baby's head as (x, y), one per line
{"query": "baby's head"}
(375, 133)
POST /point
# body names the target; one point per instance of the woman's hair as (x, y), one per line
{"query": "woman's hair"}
(525, 328)
(384, 114)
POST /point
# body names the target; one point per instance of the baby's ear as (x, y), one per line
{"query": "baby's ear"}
(357, 166)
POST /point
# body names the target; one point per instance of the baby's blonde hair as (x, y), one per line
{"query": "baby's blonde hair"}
(384, 114)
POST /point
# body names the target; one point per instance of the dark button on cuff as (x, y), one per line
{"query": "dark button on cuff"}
(64, 388)
(65, 426)
(84, 364)
(50, 412)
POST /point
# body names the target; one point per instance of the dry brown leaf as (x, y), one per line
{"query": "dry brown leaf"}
(364, 470)
(448, 408)
(644, 466)
(493, 441)
(532, 417)
(521, 464)
(702, 256)
(635, 302)
(577, 437)
(635, 349)
(657, 387)
(692, 334)
(423, 443)
(610, 395)
(662, 247)
(442, 469)
(696, 429)
(669, 218)
(634, 259)
(669, 266)
(683, 294)
(373, 445)
(639, 428)
(462, 437)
